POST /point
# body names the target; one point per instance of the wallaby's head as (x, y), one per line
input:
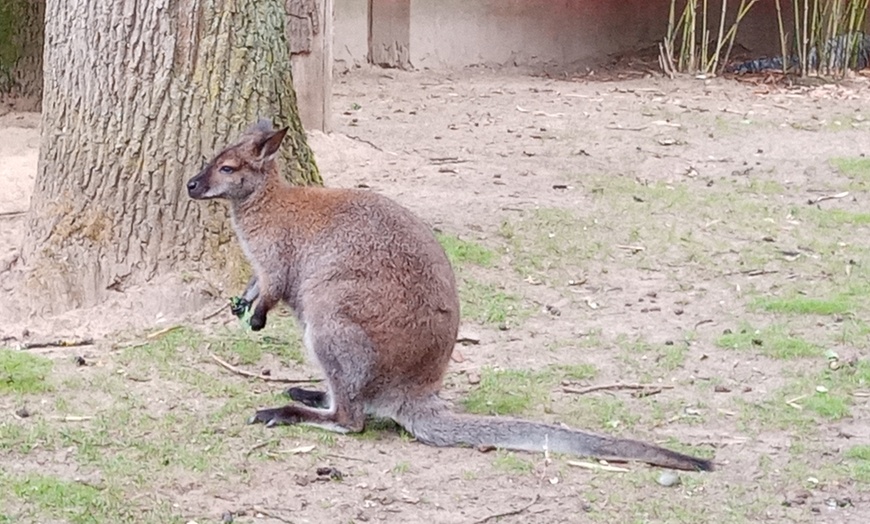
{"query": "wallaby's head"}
(240, 169)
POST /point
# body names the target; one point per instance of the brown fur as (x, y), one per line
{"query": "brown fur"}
(376, 298)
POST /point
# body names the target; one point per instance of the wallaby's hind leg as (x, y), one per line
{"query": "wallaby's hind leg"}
(346, 356)
(309, 397)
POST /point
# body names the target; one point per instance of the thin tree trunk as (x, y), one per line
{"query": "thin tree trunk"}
(21, 38)
(138, 94)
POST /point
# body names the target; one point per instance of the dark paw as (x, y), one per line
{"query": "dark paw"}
(272, 417)
(311, 398)
(258, 322)
(239, 306)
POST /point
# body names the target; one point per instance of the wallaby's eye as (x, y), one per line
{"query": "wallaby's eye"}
(227, 169)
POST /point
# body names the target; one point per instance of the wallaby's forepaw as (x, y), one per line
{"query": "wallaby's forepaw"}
(309, 397)
(258, 321)
(274, 417)
(239, 306)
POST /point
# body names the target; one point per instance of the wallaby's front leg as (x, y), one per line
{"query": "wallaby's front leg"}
(240, 305)
(268, 299)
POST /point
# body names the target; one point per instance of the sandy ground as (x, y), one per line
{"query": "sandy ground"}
(477, 152)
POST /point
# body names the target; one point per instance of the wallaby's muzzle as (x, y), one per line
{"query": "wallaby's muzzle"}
(197, 186)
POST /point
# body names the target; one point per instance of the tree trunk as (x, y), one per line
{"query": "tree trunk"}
(138, 94)
(21, 38)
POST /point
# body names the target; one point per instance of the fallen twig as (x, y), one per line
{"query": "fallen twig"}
(72, 418)
(822, 198)
(620, 128)
(438, 160)
(509, 513)
(57, 344)
(257, 446)
(12, 214)
(601, 387)
(793, 402)
(265, 378)
(162, 331)
(216, 312)
(597, 467)
(364, 141)
(347, 457)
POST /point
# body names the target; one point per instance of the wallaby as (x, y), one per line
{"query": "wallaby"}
(375, 296)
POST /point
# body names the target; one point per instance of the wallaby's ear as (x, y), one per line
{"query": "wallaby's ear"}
(269, 145)
(261, 127)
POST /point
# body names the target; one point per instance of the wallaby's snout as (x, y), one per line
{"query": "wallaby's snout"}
(197, 186)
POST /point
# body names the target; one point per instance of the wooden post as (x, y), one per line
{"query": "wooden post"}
(310, 34)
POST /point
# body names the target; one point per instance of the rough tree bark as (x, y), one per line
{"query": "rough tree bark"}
(21, 37)
(138, 94)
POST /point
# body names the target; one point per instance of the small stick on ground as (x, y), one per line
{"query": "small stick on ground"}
(364, 141)
(215, 313)
(58, 344)
(265, 378)
(163, 331)
(822, 198)
(257, 446)
(597, 467)
(72, 418)
(509, 513)
(601, 387)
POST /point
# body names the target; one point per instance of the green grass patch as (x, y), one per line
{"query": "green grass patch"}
(22, 372)
(659, 357)
(465, 252)
(577, 371)
(48, 498)
(601, 411)
(773, 341)
(489, 304)
(510, 463)
(853, 167)
(281, 339)
(807, 400)
(509, 391)
(835, 218)
(858, 462)
(547, 240)
(800, 305)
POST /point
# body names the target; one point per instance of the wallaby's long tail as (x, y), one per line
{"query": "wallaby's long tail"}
(437, 426)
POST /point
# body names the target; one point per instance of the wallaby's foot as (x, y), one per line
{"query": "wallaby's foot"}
(309, 397)
(276, 417)
(239, 306)
(341, 421)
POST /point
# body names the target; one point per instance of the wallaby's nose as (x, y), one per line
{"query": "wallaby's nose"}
(191, 184)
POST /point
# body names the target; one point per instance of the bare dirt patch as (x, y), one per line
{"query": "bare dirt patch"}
(641, 230)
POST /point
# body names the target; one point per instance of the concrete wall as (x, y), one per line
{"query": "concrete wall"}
(526, 33)
(351, 39)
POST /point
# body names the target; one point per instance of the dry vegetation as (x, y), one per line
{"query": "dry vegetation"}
(709, 238)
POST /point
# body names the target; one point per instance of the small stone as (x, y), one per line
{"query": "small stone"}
(23, 412)
(473, 378)
(227, 518)
(668, 479)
